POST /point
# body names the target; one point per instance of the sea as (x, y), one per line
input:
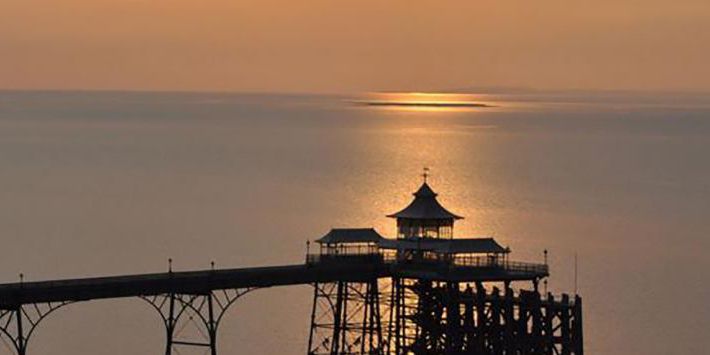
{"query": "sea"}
(614, 185)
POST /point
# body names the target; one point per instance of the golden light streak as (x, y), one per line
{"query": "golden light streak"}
(424, 101)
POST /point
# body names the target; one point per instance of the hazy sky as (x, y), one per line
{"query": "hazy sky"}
(341, 46)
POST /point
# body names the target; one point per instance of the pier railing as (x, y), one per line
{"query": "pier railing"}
(495, 262)
(339, 258)
(458, 261)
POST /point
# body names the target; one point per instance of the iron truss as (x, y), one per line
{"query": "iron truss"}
(192, 320)
(435, 317)
(19, 323)
(346, 319)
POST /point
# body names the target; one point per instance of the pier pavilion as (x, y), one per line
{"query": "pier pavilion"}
(441, 294)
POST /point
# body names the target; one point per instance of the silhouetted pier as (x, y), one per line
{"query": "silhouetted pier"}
(191, 282)
(421, 293)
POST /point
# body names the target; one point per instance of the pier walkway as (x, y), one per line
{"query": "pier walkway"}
(206, 295)
(13, 295)
(317, 269)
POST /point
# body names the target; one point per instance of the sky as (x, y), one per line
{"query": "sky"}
(335, 46)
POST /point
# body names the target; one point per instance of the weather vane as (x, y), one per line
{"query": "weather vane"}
(425, 173)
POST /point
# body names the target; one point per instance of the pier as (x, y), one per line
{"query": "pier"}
(423, 292)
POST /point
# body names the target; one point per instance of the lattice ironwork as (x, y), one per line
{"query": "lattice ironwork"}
(18, 324)
(192, 320)
(346, 319)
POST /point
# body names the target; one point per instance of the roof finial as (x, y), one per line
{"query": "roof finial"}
(425, 173)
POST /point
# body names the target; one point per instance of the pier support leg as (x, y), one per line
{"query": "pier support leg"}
(21, 343)
(18, 323)
(345, 319)
(192, 320)
(577, 333)
(170, 325)
(566, 328)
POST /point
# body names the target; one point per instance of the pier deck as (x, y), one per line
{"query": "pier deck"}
(343, 268)
(191, 282)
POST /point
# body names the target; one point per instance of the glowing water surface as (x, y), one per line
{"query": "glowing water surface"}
(112, 183)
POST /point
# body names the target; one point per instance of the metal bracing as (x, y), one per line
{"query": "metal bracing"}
(19, 323)
(192, 320)
(346, 319)
(411, 313)
(452, 318)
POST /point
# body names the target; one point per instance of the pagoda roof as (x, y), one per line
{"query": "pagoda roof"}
(446, 246)
(425, 206)
(350, 235)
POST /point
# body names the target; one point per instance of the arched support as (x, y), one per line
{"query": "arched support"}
(193, 319)
(19, 323)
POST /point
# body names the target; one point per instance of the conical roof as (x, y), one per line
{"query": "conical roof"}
(425, 206)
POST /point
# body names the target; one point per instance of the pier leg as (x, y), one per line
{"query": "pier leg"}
(548, 327)
(577, 333)
(509, 328)
(212, 325)
(21, 343)
(397, 311)
(537, 344)
(170, 326)
(454, 335)
(197, 317)
(565, 318)
(335, 347)
(469, 324)
(316, 289)
(345, 319)
(371, 338)
(495, 346)
(18, 323)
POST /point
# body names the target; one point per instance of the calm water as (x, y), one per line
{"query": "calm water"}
(112, 183)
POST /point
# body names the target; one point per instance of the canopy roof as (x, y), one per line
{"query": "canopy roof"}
(443, 246)
(446, 246)
(350, 235)
(425, 206)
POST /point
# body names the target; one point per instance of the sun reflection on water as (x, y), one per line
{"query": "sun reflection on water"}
(391, 183)
(393, 148)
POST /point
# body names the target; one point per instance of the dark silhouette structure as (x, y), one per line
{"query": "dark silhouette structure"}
(439, 295)
(421, 293)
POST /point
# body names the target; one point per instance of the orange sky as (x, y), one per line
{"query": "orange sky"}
(345, 46)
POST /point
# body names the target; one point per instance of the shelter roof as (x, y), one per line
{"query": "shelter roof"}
(446, 246)
(350, 235)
